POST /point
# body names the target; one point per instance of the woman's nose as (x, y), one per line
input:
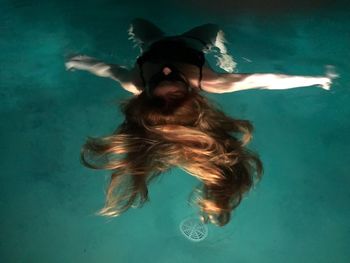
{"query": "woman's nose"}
(166, 71)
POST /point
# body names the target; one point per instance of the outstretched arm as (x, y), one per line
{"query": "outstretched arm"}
(228, 82)
(101, 69)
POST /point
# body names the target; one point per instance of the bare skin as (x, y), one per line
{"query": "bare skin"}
(212, 81)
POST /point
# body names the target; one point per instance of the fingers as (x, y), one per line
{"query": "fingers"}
(72, 61)
(80, 62)
(82, 58)
(331, 74)
(70, 65)
(326, 83)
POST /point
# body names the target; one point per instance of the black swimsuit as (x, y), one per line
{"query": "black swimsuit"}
(172, 49)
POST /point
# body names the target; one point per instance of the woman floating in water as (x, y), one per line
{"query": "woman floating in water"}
(169, 123)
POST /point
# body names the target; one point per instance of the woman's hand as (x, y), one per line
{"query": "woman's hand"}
(80, 62)
(93, 65)
(330, 75)
(325, 83)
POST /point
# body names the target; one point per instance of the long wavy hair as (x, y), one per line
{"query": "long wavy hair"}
(192, 134)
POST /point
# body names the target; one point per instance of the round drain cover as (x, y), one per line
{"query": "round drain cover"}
(193, 229)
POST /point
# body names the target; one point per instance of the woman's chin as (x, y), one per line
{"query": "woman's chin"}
(170, 90)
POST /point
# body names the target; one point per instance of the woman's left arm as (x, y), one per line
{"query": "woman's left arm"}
(236, 82)
(230, 82)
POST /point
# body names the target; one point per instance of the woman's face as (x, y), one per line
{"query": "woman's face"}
(168, 83)
(170, 89)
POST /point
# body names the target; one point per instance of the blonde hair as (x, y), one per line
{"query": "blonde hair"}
(193, 135)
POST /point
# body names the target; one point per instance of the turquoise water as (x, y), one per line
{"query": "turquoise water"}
(299, 212)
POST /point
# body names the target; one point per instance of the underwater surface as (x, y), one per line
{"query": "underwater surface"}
(298, 212)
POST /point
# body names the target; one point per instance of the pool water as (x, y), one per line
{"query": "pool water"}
(299, 211)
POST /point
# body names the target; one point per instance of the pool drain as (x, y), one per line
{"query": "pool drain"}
(193, 229)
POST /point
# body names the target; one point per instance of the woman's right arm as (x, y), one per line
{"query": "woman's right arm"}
(116, 72)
